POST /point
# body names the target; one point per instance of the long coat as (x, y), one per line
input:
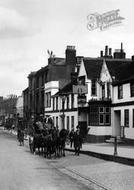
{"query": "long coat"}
(77, 140)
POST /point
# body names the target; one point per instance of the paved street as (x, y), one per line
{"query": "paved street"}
(21, 170)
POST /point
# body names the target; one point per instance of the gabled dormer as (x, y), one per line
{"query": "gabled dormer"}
(105, 83)
(88, 74)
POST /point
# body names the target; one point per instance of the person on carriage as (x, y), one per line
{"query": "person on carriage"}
(36, 128)
(40, 125)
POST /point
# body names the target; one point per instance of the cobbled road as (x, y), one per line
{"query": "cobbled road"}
(21, 170)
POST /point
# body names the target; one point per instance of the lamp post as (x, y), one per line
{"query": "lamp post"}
(115, 146)
(63, 109)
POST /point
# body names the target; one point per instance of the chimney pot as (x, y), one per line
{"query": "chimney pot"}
(110, 51)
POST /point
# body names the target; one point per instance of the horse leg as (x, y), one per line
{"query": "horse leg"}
(64, 152)
(45, 152)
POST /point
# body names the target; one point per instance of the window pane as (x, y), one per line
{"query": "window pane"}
(103, 90)
(120, 92)
(93, 115)
(132, 89)
(93, 119)
(101, 109)
(108, 90)
(107, 110)
(72, 100)
(49, 99)
(56, 121)
(101, 119)
(67, 122)
(107, 118)
(67, 102)
(54, 103)
(126, 118)
(93, 88)
(72, 121)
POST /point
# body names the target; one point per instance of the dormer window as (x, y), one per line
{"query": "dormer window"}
(103, 90)
(120, 91)
(108, 90)
(48, 99)
(82, 80)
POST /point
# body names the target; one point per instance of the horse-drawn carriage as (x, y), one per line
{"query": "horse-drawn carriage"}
(48, 141)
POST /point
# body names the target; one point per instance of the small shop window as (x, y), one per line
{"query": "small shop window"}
(104, 116)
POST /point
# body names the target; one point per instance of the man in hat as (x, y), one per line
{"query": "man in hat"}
(77, 141)
(71, 137)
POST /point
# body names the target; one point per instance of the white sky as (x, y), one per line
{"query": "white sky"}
(29, 27)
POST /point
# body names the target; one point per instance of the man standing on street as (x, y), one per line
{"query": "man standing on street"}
(71, 137)
(77, 141)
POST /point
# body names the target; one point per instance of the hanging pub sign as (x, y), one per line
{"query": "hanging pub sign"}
(80, 89)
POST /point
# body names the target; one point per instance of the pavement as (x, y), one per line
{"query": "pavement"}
(106, 151)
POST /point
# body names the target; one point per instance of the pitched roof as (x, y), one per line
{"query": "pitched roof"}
(93, 67)
(121, 69)
(67, 89)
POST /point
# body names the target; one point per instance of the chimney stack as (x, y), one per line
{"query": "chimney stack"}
(106, 51)
(121, 47)
(101, 53)
(70, 55)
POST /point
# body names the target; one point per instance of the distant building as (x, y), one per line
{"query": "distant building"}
(47, 81)
(19, 106)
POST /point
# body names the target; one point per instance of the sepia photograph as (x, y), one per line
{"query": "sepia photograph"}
(66, 95)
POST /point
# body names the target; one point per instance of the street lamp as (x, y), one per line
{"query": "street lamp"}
(115, 146)
(63, 109)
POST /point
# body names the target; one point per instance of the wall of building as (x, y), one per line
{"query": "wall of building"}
(67, 114)
(100, 131)
(128, 131)
(126, 94)
(122, 105)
